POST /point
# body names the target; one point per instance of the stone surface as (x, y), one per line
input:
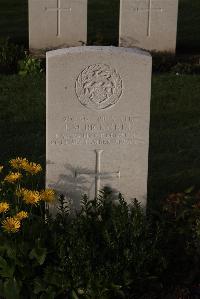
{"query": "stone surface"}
(149, 24)
(57, 23)
(98, 110)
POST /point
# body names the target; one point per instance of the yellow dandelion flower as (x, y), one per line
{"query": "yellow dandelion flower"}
(1, 168)
(12, 177)
(31, 197)
(47, 195)
(11, 225)
(21, 215)
(32, 168)
(4, 207)
(18, 163)
(23, 163)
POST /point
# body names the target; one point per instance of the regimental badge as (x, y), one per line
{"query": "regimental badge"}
(98, 87)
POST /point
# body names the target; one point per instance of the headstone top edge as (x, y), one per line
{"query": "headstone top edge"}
(76, 1)
(173, 1)
(85, 49)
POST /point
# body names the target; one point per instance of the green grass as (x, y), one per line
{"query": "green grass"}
(22, 122)
(188, 37)
(103, 22)
(174, 160)
(14, 20)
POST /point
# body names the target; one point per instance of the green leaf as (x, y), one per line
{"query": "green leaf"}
(6, 270)
(50, 294)
(3, 262)
(11, 252)
(189, 190)
(39, 254)
(39, 286)
(11, 289)
(115, 286)
(74, 295)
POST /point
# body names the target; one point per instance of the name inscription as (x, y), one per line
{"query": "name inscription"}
(81, 130)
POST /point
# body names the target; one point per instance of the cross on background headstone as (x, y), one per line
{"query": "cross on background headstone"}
(58, 9)
(98, 174)
(149, 9)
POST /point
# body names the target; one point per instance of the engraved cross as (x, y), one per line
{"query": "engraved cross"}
(58, 10)
(149, 9)
(98, 174)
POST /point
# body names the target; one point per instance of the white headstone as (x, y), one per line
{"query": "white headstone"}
(98, 110)
(149, 24)
(57, 23)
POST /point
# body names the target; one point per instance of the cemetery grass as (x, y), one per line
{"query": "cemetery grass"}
(103, 23)
(188, 35)
(22, 122)
(14, 20)
(174, 159)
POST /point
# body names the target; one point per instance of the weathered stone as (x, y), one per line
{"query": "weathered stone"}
(57, 23)
(149, 24)
(98, 110)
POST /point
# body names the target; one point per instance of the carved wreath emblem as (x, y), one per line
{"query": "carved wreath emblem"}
(98, 87)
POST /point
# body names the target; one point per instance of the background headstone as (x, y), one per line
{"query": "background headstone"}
(98, 110)
(149, 24)
(57, 23)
